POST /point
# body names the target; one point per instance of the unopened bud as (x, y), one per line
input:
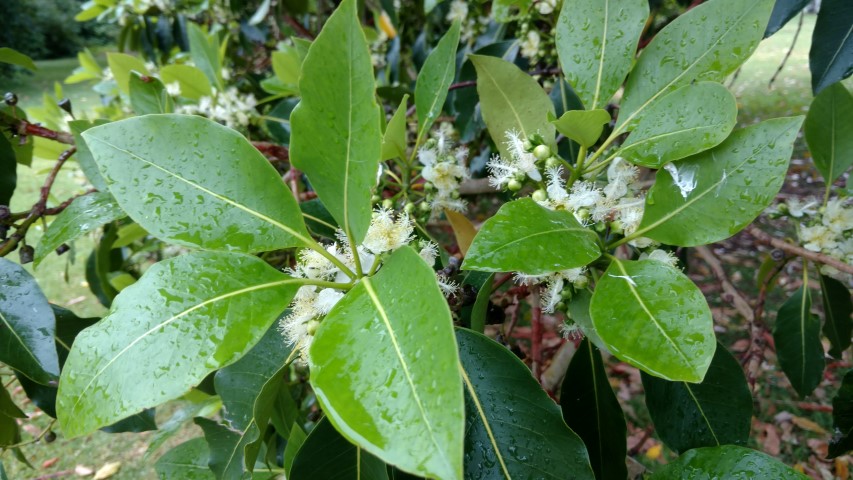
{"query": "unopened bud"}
(387, 203)
(552, 162)
(540, 195)
(409, 208)
(26, 254)
(425, 206)
(541, 152)
(514, 185)
(11, 99)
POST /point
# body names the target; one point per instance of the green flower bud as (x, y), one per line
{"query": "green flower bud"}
(409, 208)
(528, 145)
(552, 162)
(514, 185)
(581, 283)
(375, 199)
(540, 195)
(541, 152)
(387, 203)
(425, 207)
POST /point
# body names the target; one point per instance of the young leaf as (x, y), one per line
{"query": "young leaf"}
(149, 95)
(84, 156)
(837, 308)
(326, 454)
(831, 55)
(122, 64)
(204, 51)
(715, 412)
(14, 57)
(596, 43)
(434, 78)
(582, 126)
(827, 129)
(336, 137)
(635, 316)
(707, 43)
(592, 410)
(511, 101)
(727, 461)
(8, 171)
(384, 367)
(713, 195)
(193, 182)
(394, 139)
(27, 327)
(192, 81)
(187, 461)
(797, 337)
(187, 316)
(83, 215)
(842, 418)
(513, 430)
(689, 120)
(528, 238)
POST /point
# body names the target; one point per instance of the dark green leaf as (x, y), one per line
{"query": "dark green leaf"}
(28, 326)
(434, 78)
(187, 461)
(8, 171)
(842, 418)
(278, 120)
(783, 11)
(717, 411)
(23, 150)
(384, 367)
(582, 126)
(10, 433)
(578, 310)
(14, 57)
(226, 449)
(148, 95)
(7, 406)
(513, 430)
(727, 461)
(319, 221)
(327, 455)
(337, 139)
(141, 422)
(295, 441)
(797, 338)
(3, 475)
(197, 407)
(186, 317)
(564, 100)
(827, 129)
(635, 316)
(837, 308)
(191, 181)
(592, 410)
(528, 238)
(477, 319)
(83, 155)
(831, 55)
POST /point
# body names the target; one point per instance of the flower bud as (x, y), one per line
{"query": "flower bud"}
(409, 208)
(552, 162)
(542, 152)
(528, 145)
(388, 203)
(375, 199)
(514, 185)
(540, 195)
(425, 207)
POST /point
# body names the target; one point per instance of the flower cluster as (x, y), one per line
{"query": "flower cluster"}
(830, 231)
(521, 164)
(473, 23)
(229, 107)
(555, 284)
(444, 169)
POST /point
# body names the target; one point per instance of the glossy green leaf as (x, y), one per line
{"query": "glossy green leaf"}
(596, 43)
(634, 312)
(592, 410)
(713, 195)
(122, 64)
(8, 171)
(10, 432)
(689, 120)
(578, 311)
(528, 238)
(192, 81)
(187, 316)
(82, 216)
(187, 461)
(394, 140)
(798, 347)
(226, 448)
(837, 308)
(831, 55)
(513, 429)
(582, 126)
(842, 418)
(143, 421)
(28, 326)
(435, 77)
(84, 156)
(337, 139)
(327, 455)
(727, 461)
(148, 95)
(477, 319)
(717, 411)
(14, 57)
(827, 129)
(783, 11)
(708, 42)
(384, 367)
(295, 441)
(204, 51)
(511, 101)
(193, 182)
(8, 407)
(564, 100)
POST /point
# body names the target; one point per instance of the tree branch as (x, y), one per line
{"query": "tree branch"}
(767, 239)
(730, 293)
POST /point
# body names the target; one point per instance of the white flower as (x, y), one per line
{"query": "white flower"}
(173, 89)
(448, 287)
(385, 233)
(303, 311)
(552, 294)
(622, 171)
(642, 242)
(556, 189)
(797, 208)
(546, 7)
(817, 238)
(429, 253)
(663, 256)
(630, 213)
(326, 299)
(837, 216)
(530, 44)
(583, 195)
(501, 171)
(458, 11)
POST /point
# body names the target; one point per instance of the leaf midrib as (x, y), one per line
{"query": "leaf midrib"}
(21, 341)
(507, 101)
(837, 52)
(427, 116)
(603, 54)
(544, 232)
(482, 414)
(701, 412)
(642, 141)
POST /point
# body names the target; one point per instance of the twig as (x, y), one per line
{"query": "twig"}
(302, 31)
(767, 239)
(731, 294)
(24, 128)
(536, 332)
(33, 440)
(790, 51)
(755, 352)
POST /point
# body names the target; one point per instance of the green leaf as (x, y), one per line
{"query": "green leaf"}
(528, 238)
(837, 308)
(141, 422)
(831, 54)
(513, 429)
(186, 317)
(23, 151)
(715, 412)
(28, 326)
(398, 394)
(191, 181)
(193, 82)
(708, 42)
(122, 64)
(798, 346)
(713, 195)
(198, 405)
(8, 171)
(689, 120)
(295, 441)
(578, 310)
(337, 139)
(278, 121)
(187, 461)
(783, 11)
(511, 101)
(842, 418)
(8, 407)
(14, 57)
(435, 77)
(82, 216)
(480, 308)
(327, 455)
(287, 65)
(226, 449)
(83, 155)
(827, 129)
(596, 42)
(394, 140)
(727, 461)
(204, 51)
(10, 432)
(592, 410)
(318, 219)
(148, 95)
(582, 126)
(634, 313)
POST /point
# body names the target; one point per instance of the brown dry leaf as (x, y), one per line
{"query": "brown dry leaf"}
(769, 439)
(841, 468)
(108, 470)
(462, 228)
(807, 424)
(50, 462)
(818, 446)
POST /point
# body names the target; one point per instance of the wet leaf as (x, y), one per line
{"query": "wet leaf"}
(84, 156)
(582, 126)
(326, 454)
(783, 11)
(187, 461)
(837, 308)
(149, 95)
(192, 81)
(434, 78)
(727, 461)
(827, 129)
(798, 346)
(842, 418)
(831, 55)
(204, 52)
